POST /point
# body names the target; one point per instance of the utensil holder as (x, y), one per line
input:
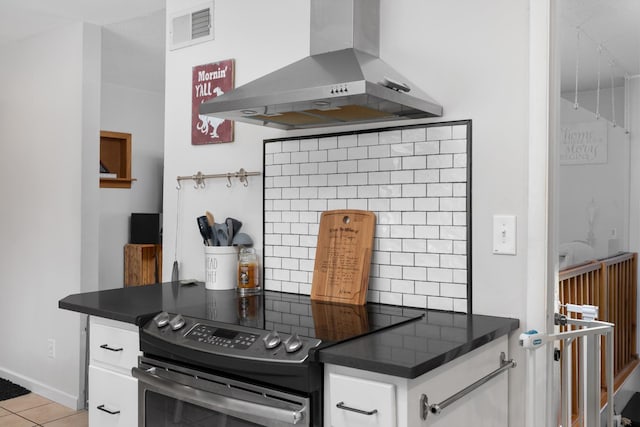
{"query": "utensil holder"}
(220, 267)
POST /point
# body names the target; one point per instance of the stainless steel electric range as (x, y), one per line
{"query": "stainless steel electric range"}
(246, 360)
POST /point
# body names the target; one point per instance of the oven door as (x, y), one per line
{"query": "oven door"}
(173, 395)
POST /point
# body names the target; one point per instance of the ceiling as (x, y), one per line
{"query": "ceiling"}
(611, 24)
(133, 36)
(134, 33)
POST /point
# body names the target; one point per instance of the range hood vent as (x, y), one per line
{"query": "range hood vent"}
(343, 81)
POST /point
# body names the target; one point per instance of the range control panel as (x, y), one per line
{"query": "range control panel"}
(225, 338)
(228, 339)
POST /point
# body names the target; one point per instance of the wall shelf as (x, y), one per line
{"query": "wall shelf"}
(115, 156)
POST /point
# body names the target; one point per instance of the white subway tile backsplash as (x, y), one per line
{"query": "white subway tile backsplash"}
(414, 162)
(376, 151)
(349, 192)
(365, 191)
(390, 137)
(427, 288)
(459, 132)
(328, 167)
(414, 134)
(414, 273)
(401, 231)
(439, 303)
(356, 153)
(404, 149)
(439, 133)
(368, 139)
(402, 286)
(345, 141)
(455, 146)
(328, 143)
(378, 205)
(307, 144)
(414, 190)
(427, 147)
(357, 204)
(399, 258)
(337, 179)
(337, 155)
(413, 179)
(391, 164)
(318, 156)
(390, 298)
(401, 177)
(412, 300)
(308, 168)
(454, 204)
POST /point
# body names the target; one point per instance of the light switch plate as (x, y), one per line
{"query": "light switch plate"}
(504, 234)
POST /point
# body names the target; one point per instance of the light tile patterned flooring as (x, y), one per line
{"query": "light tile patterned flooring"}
(34, 410)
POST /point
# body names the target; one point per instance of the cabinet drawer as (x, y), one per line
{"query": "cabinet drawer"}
(113, 346)
(113, 399)
(362, 395)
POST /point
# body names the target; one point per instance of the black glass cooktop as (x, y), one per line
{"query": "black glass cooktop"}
(291, 313)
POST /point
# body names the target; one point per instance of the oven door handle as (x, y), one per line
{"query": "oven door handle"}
(217, 402)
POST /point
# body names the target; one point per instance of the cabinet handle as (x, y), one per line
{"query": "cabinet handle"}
(341, 405)
(106, 347)
(103, 409)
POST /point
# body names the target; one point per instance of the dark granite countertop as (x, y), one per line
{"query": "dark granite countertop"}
(408, 350)
(412, 349)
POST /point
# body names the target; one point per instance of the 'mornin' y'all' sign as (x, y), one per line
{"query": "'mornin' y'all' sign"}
(583, 143)
(209, 81)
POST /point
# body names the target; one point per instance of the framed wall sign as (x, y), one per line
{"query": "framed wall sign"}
(209, 81)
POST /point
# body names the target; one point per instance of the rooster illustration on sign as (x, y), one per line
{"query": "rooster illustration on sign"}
(209, 125)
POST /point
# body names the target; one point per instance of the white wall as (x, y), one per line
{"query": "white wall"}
(48, 117)
(141, 113)
(453, 50)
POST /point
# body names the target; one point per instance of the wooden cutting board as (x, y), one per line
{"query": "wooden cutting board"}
(343, 256)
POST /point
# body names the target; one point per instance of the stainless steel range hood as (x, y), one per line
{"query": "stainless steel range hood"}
(342, 82)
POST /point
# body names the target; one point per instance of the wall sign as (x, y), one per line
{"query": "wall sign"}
(209, 81)
(583, 143)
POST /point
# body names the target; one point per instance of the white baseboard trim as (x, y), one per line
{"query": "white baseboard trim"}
(44, 390)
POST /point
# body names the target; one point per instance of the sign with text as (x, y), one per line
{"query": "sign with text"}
(209, 81)
(583, 143)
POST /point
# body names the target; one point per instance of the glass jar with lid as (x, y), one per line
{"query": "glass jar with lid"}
(248, 273)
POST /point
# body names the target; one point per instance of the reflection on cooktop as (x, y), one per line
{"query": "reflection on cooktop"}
(289, 313)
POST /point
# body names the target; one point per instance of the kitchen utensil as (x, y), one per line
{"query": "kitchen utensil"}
(175, 271)
(221, 234)
(237, 225)
(205, 230)
(214, 238)
(230, 230)
(343, 256)
(242, 239)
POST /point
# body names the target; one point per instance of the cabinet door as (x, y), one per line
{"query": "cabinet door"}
(113, 346)
(113, 399)
(356, 402)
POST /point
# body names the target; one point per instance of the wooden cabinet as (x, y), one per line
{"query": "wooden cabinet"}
(142, 264)
(115, 157)
(113, 392)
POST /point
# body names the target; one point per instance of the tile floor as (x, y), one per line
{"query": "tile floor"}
(34, 410)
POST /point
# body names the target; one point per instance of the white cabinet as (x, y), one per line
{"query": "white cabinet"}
(356, 402)
(487, 406)
(113, 392)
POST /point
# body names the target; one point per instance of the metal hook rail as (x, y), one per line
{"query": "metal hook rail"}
(436, 408)
(199, 178)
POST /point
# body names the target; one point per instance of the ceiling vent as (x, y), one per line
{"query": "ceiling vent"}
(191, 26)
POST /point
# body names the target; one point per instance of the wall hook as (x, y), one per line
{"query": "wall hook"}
(228, 180)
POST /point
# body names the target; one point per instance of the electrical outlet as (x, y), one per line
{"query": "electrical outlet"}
(51, 348)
